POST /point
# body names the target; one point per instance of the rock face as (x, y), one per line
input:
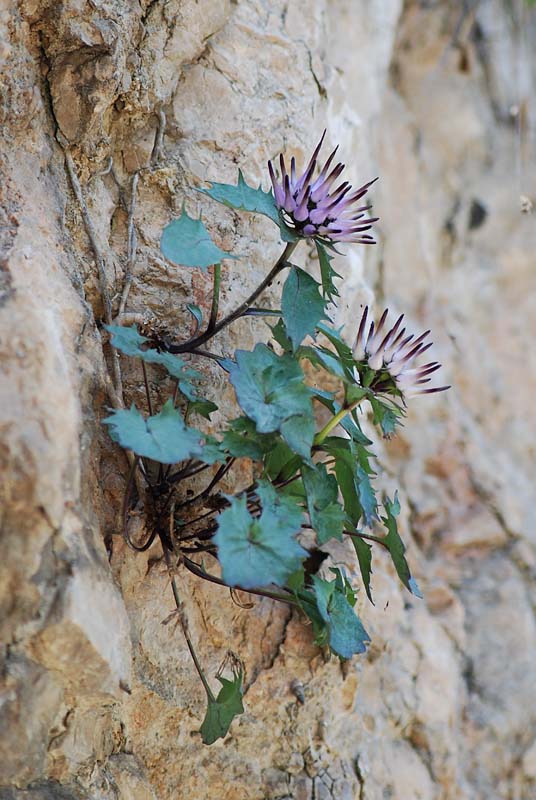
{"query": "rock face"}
(99, 699)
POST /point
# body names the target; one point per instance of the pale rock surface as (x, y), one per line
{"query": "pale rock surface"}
(99, 699)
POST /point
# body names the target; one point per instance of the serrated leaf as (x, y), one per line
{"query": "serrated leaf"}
(281, 462)
(346, 635)
(244, 198)
(163, 438)
(396, 546)
(386, 416)
(280, 335)
(327, 272)
(363, 552)
(257, 551)
(221, 711)
(301, 304)
(202, 406)
(129, 342)
(271, 390)
(367, 496)
(352, 471)
(242, 440)
(186, 241)
(327, 516)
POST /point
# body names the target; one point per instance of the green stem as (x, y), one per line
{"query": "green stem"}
(334, 421)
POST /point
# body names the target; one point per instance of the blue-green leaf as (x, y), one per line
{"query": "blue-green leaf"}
(244, 198)
(163, 438)
(196, 313)
(257, 551)
(222, 710)
(271, 390)
(396, 546)
(302, 305)
(386, 416)
(364, 556)
(327, 516)
(187, 242)
(367, 496)
(327, 272)
(344, 630)
(129, 342)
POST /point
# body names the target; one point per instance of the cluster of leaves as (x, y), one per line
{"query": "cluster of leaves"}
(320, 479)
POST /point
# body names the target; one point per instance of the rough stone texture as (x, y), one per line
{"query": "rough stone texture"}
(99, 699)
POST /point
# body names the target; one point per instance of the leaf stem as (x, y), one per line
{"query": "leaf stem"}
(196, 569)
(215, 297)
(372, 538)
(195, 341)
(334, 421)
(183, 623)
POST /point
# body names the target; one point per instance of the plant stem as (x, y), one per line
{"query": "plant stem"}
(193, 567)
(182, 620)
(372, 538)
(215, 297)
(147, 392)
(280, 264)
(334, 421)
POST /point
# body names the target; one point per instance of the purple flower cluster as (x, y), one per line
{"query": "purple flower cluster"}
(314, 209)
(391, 354)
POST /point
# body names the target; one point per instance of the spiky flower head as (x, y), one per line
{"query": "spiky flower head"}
(386, 358)
(313, 209)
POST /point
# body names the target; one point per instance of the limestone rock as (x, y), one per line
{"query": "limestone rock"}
(98, 696)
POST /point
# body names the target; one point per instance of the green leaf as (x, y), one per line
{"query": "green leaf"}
(301, 304)
(281, 462)
(257, 551)
(343, 350)
(271, 390)
(280, 335)
(242, 440)
(327, 272)
(244, 198)
(352, 470)
(344, 630)
(163, 437)
(187, 242)
(129, 342)
(222, 710)
(202, 406)
(327, 516)
(386, 416)
(364, 556)
(396, 546)
(367, 496)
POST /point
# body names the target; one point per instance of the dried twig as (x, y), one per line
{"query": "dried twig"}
(101, 268)
(131, 246)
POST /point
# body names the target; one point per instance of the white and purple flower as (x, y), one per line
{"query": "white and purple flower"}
(313, 209)
(390, 354)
